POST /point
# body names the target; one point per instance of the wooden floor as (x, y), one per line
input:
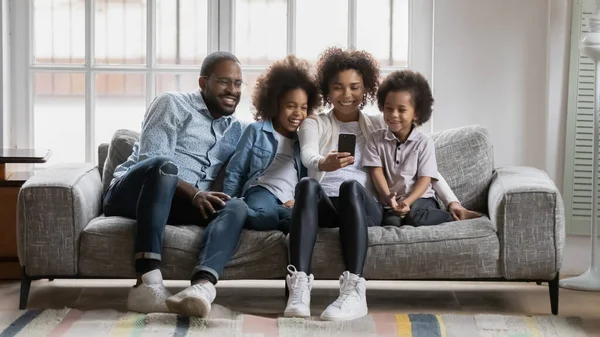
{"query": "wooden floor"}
(267, 297)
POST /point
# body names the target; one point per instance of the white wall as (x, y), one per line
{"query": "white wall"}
(2, 109)
(491, 67)
(4, 75)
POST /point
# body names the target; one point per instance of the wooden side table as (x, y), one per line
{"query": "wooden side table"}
(11, 181)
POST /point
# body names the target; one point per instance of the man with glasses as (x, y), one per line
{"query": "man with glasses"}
(184, 142)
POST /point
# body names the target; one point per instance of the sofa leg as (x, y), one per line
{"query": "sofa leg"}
(25, 286)
(553, 290)
(538, 282)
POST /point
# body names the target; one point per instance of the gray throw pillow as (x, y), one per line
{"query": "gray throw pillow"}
(465, 159)
(120, 148)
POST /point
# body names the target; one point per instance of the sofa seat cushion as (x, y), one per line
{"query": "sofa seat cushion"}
(454, 250)
(107, 249)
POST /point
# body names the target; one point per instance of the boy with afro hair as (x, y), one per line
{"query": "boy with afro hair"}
(401, 158)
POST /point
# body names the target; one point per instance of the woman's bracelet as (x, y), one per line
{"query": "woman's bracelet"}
(195, 195)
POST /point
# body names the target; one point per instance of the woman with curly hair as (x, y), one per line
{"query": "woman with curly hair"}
(339, 191)
(266, 164)
(347, 80)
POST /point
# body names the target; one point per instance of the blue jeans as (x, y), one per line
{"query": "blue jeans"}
(265, 211)
(146, 193)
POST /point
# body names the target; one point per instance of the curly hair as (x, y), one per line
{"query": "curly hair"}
(418, 87)
(335, 60)
(281, 77)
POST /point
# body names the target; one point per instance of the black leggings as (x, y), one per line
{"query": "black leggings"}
(353, 211)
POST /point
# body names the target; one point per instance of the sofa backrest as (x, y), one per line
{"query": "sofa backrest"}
(465, 159)
(464, 155)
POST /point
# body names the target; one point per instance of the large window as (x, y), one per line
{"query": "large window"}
(84, 68)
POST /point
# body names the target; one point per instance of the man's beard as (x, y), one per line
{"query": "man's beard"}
(214, 106)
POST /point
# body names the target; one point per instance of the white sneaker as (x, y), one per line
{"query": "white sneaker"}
(150, 295)
(352, 302)
(194, 300)
(299, 285)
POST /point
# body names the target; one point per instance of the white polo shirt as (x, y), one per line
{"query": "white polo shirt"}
(403, 163)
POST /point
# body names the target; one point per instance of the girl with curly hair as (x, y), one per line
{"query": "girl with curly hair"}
(339, 191)
(266, 164)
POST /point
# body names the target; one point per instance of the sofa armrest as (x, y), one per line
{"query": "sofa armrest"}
(528, 211)
(53, 208)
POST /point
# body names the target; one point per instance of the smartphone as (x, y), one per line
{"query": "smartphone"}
(347, 143)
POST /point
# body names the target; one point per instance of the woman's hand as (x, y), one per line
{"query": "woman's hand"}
(289, 203)
(458, 212)
(335, 161)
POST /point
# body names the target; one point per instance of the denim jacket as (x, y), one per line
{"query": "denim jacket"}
(254, 154)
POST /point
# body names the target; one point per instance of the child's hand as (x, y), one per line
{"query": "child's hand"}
(391, 200)
(402, 208)
(289, 203)
(335, 161)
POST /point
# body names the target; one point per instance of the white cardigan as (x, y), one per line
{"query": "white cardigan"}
(318, 132)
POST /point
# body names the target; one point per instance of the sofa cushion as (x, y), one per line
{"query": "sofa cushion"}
(120, 148)
(107, 244)
(465, 159)
(453, 250)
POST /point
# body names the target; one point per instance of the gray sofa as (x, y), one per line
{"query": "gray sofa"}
(62, 232)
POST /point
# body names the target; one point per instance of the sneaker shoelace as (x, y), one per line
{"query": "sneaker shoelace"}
(299, 284)
(347, 289)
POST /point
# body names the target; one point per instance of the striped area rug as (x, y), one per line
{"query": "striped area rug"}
(222, 322)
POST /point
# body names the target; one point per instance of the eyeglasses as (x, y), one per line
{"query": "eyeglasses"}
(227, 82)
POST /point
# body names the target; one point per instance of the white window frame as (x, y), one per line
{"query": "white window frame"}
(221, 37)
